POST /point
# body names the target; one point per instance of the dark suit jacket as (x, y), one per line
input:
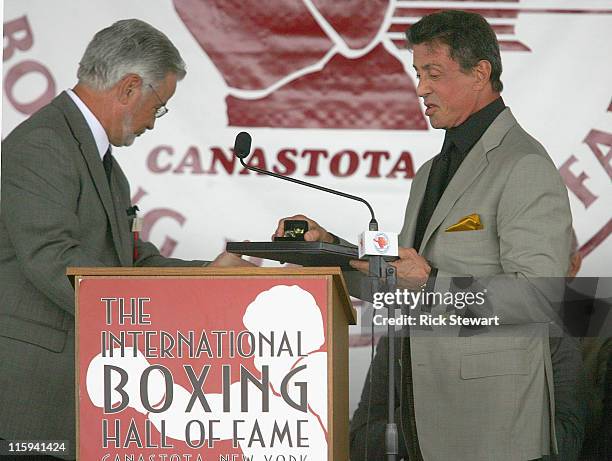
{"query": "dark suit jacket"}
(57, 210)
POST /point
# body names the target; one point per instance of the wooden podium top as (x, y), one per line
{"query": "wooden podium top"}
(199, 271)
(121, 272)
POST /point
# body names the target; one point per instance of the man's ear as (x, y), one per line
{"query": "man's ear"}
(128, 87)
(482, 74)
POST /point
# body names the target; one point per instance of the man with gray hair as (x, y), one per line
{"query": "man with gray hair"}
(65, 202)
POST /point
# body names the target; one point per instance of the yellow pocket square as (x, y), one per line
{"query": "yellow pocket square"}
(468, 223)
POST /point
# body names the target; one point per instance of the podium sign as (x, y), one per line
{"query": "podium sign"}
(222, 365)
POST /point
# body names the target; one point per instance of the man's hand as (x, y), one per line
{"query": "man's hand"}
(315, 232)
(226, 259)
(412, 269)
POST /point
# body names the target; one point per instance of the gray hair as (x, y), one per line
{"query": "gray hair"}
(129, 46)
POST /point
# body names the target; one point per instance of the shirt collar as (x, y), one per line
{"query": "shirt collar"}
(97, 130)
(465, 135)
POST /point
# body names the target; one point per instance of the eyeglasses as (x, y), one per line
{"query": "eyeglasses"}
(160, 111)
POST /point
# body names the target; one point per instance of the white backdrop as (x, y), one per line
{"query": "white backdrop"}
(559, 91)
(336, 81)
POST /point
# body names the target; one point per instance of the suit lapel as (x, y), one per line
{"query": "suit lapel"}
(473, 165)
(89, 150)
(469, 170)
(417, 192)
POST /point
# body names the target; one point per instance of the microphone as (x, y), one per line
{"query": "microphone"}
(373, 243)
(242, 148)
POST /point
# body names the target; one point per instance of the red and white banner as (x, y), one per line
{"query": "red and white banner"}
(328, 93)
(232, 369)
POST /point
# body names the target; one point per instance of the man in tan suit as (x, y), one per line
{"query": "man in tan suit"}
(490, 206)
(64, 203)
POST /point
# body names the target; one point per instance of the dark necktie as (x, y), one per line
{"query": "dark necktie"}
(436, 184)
(107, 161)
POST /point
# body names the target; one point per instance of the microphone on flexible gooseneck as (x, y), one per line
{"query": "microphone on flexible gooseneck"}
(242, 148)
(374, 244)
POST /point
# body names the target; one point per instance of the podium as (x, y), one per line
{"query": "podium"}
(212, 364)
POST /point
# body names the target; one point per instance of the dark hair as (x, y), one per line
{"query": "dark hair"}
(468, 35)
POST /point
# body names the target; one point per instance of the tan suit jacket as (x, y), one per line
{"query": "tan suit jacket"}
(489, 396)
